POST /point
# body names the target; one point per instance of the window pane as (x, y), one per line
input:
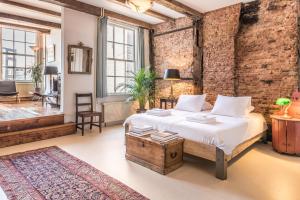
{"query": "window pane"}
(120, 81)
(28, 75)
(30, 37)
(119, 34)
(7, 46)
(129, 54)
(20, 61)
(120, 68)
(29, 51)
(110, 68)
(130, 69)
(19, 36)
(7, 60)
(7, 34)
(7, 73)
(110, 33)
(110, 85)
(20, 48)
(20, 74)
(29, 61)
(110, 50)
(129, 36)
(119, 51)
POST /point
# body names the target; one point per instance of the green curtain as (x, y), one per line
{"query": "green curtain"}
(101, 88)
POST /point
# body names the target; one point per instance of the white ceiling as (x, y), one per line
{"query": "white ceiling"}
(200, 5)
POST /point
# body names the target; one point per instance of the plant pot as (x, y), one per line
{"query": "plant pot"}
(141, 110)
(37, 90)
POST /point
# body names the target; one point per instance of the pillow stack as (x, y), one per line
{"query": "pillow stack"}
(191, 103)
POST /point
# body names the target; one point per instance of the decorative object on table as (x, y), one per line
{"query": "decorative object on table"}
(141, 130)
(294, 109)
(79, 59)
(36, 76)
(140, 89)
(285, 103)
(162, 157)
(51, 70)
(166, 100)
(37, 171)
(50, 53)
(286, 135)
(139, 6)
(85, 109)
(172, 75)
(8, 88)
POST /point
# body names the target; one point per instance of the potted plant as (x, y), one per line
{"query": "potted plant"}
(140, 88)
(36, 75)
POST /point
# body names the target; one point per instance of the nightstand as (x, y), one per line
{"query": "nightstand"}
(286, 135)
(166, 100)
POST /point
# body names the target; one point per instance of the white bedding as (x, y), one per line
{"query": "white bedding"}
(226, 134)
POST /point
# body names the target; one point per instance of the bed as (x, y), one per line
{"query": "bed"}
(219, 141)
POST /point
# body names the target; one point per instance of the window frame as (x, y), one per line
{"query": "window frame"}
(134, 60)
(26, 56)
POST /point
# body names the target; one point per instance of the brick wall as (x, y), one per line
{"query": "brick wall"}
(258, 59)
(174, 50)
(219, 30)
(267, 54)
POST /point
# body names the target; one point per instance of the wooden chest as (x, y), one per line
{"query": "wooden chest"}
(160, 157)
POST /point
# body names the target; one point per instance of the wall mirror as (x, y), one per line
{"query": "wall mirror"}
(79, 59)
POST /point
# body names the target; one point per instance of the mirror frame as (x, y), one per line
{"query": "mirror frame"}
(89, 59)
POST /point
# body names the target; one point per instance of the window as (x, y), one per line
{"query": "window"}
(17, 56)
(121, 57)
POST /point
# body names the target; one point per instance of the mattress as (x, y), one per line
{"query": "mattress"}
(226, 133)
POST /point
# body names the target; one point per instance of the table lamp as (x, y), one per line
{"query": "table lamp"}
(285, 103)
(172, 75)
(51, 70)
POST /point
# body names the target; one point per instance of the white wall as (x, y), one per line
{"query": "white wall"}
(77, 27)
(54, 38)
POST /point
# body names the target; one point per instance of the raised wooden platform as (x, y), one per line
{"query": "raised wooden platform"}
(29, 122)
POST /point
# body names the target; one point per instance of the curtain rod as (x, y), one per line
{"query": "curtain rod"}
(173, 31)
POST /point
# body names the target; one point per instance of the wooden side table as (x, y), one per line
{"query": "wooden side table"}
(165, 100)
(286, 135)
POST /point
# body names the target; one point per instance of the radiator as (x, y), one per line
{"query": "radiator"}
(116, 112)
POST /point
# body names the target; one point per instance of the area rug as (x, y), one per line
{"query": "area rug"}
(51, 173)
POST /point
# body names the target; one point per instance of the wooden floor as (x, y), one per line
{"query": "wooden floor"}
(25, 110)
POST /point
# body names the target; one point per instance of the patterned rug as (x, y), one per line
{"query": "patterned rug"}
(51, 173)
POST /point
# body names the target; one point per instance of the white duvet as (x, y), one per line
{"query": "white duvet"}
(226, 133)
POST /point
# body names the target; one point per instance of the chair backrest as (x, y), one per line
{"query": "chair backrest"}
(88, 101)
(8, 86)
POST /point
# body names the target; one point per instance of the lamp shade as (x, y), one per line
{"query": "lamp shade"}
(172, 74)
(50, 70)
(283, 101)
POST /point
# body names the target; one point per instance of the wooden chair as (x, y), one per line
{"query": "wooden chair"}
(89, 113)
(8, 88)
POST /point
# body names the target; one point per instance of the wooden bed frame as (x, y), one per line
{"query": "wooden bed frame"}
(213, 153)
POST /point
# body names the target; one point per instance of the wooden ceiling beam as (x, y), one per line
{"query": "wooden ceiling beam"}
(179, 7)
(29, 7)
(148, 12)
(97, 11)
(30, 20)
(42, 30)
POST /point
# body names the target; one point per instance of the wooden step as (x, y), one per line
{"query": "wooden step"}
(36, 134)
(31, 123)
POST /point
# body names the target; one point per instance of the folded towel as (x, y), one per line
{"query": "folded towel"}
(200, 118)
(159, 112)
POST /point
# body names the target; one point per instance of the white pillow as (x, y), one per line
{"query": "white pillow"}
(192, 103)
(232, 106)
